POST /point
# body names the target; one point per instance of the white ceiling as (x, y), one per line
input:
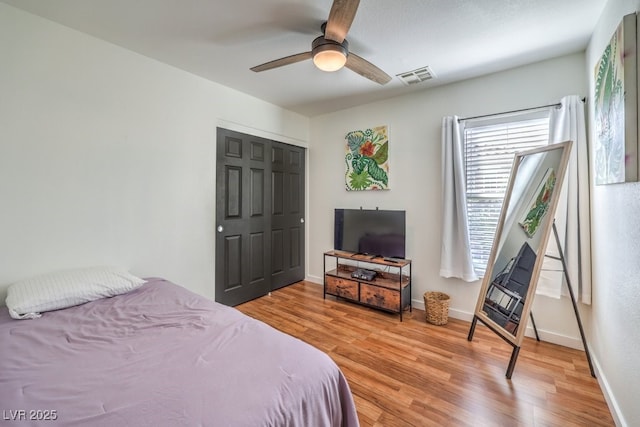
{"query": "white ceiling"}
(221, 39)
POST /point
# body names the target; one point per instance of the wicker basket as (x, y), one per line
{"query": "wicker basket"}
(436, 305)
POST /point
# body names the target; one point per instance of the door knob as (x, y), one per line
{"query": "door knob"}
(220, 229)
(301, 220)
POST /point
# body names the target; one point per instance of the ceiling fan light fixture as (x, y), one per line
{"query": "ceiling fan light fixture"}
(329, 55)
(329, 60)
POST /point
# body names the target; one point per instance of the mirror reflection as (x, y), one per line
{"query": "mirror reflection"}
(523, 230)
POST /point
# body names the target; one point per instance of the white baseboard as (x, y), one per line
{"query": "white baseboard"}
(612, 403)
(315, 279)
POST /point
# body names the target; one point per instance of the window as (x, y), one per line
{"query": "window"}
(489, 148)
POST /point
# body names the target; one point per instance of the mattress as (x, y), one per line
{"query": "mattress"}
(164, 356)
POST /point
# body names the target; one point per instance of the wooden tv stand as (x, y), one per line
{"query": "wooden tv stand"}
(390, 290)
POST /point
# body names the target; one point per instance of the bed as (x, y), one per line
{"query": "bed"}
(161, 355)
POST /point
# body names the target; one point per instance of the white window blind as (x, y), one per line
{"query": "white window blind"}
(490, 145)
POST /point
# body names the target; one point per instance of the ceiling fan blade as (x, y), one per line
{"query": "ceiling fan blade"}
(340, 19)
(287, 60)
(366, 69)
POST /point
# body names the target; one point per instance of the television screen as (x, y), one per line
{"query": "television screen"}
(372, 232)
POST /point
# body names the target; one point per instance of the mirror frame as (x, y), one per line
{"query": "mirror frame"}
(516, 340)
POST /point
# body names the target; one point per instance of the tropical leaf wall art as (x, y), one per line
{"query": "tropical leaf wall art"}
(367, 159)
(609, 112)
(616, 106)
(539, 206)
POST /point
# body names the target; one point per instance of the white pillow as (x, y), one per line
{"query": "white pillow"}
(28, 298)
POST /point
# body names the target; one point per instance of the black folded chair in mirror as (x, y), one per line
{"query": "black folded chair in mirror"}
(507, 292)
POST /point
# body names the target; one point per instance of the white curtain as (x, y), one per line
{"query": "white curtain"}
(572, 214)
(455, 252)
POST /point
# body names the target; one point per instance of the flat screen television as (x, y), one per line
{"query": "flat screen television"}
(373, 232)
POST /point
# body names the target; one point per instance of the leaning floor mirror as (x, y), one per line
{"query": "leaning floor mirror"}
(517, 254)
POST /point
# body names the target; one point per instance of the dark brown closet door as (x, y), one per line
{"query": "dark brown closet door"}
(243, 217)
(287, 214)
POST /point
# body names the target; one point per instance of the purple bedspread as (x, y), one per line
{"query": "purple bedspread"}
(164, 356)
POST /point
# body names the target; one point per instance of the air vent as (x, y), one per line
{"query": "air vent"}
(416, 76)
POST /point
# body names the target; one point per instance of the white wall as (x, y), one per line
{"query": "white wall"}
(108, 157)
(414, 152)
(615, 331)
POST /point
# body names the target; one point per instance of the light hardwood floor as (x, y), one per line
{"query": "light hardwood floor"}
(412, 373)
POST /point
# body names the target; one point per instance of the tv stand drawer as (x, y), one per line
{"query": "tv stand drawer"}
(342, 288)
(380, 297)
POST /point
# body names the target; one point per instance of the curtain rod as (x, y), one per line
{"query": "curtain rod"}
(558, 104)
(509, 112)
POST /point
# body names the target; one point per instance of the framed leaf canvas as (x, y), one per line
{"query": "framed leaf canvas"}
(616, 106)
(539, 206)
(367, 159)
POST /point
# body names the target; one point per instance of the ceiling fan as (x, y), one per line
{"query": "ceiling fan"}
(330, 52)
